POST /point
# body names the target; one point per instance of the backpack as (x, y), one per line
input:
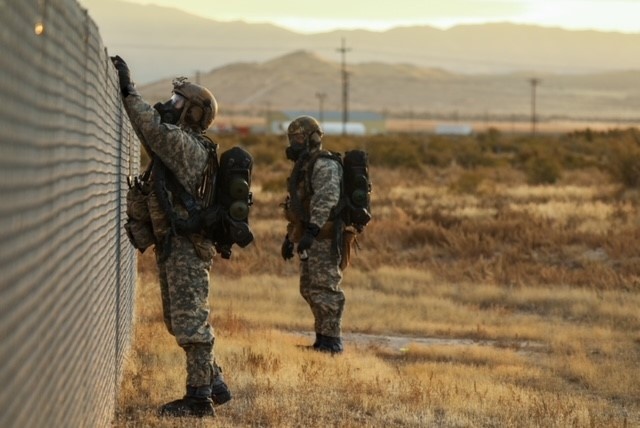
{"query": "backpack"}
(233, 196)
(356, 189)
(354, 206)
(220, 211)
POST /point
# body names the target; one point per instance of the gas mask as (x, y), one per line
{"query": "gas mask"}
(297, 146)
(171, 110)
(295, 152)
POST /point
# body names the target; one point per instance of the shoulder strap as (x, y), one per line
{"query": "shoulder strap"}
(206, 190)
(192, 203)
(312, 162)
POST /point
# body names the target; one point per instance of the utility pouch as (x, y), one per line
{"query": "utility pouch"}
(348, 242)
(138, 225)
(204, 247)
(140, 234)
(137, 202)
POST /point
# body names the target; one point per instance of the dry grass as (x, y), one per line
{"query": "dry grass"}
(536, 288)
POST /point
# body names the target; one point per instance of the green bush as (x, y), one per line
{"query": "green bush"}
(624, 166)
(470, 155)
(396, 154)
(468, 182)
(542, 158)
(542, 170)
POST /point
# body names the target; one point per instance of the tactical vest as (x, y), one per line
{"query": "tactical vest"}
(298, 204)
(173, 207)
(219, 210)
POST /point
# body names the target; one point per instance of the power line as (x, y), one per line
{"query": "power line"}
(321, 96)
(534, 82)
(345, 87)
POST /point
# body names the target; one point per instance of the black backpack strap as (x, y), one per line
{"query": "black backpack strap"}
(326, 154)
(207, 189)
(297, 175)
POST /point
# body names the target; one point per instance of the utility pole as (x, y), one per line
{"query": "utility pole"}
(321, 96)
(345, 87)
(267, 107)
(534, 82)
(197, 77)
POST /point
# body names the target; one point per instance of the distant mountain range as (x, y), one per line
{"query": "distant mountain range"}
(160, 42)
(475, 70)
(292, 82)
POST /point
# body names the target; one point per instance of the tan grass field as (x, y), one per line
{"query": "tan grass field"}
(533, 290)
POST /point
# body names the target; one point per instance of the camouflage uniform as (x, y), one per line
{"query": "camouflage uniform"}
(184, 269)
(320, 276)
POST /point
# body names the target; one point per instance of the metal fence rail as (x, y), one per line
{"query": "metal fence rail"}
(67, 271)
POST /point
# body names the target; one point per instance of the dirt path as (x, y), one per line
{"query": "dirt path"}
(400, 343)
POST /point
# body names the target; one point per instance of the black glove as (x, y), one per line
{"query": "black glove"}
(309, 236)
(287, 248)
(127, 87)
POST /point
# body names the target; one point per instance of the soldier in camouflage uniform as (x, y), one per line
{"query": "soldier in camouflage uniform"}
(173, 132)
(314, 190)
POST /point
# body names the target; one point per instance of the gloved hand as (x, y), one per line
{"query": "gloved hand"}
(127, 87)
(309, 236)
(287, 248)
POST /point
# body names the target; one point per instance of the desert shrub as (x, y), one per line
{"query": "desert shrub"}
(252, 140)
(341, 144)
(624, 166)
(542, 157)
(264, 155)
(438, 152)
(536, 147)
(572, 160)
(492, 141)
(469, 155)
(467, 182)
(276, 185)
(437, 159)
(542, 170)
(395, 154)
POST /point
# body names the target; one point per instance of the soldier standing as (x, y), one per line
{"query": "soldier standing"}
(174, 133)
(313, 192)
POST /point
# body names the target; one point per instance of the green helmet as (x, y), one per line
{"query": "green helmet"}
(200, 107)
(305, 125)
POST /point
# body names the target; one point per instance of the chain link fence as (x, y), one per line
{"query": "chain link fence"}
(67, 271)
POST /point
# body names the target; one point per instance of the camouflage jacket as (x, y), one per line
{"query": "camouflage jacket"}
(182, 151)
(184, 154)
(318, 192)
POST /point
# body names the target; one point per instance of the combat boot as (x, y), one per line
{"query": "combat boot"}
(220, 393)
(193, 404)
(332, 345)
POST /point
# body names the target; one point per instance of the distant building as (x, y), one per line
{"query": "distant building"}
(453, 129)
(360, 122)
(337, 128)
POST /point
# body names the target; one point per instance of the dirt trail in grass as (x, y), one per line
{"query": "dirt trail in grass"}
(400, 343)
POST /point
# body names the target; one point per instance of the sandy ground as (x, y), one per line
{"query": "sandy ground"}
(401, 343)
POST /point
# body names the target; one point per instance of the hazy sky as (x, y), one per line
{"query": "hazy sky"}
(314, 16)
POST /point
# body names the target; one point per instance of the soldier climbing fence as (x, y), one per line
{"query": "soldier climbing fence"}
(67, 271)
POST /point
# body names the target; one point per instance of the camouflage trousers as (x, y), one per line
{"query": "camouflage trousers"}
(184, 285)
(320, 279)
